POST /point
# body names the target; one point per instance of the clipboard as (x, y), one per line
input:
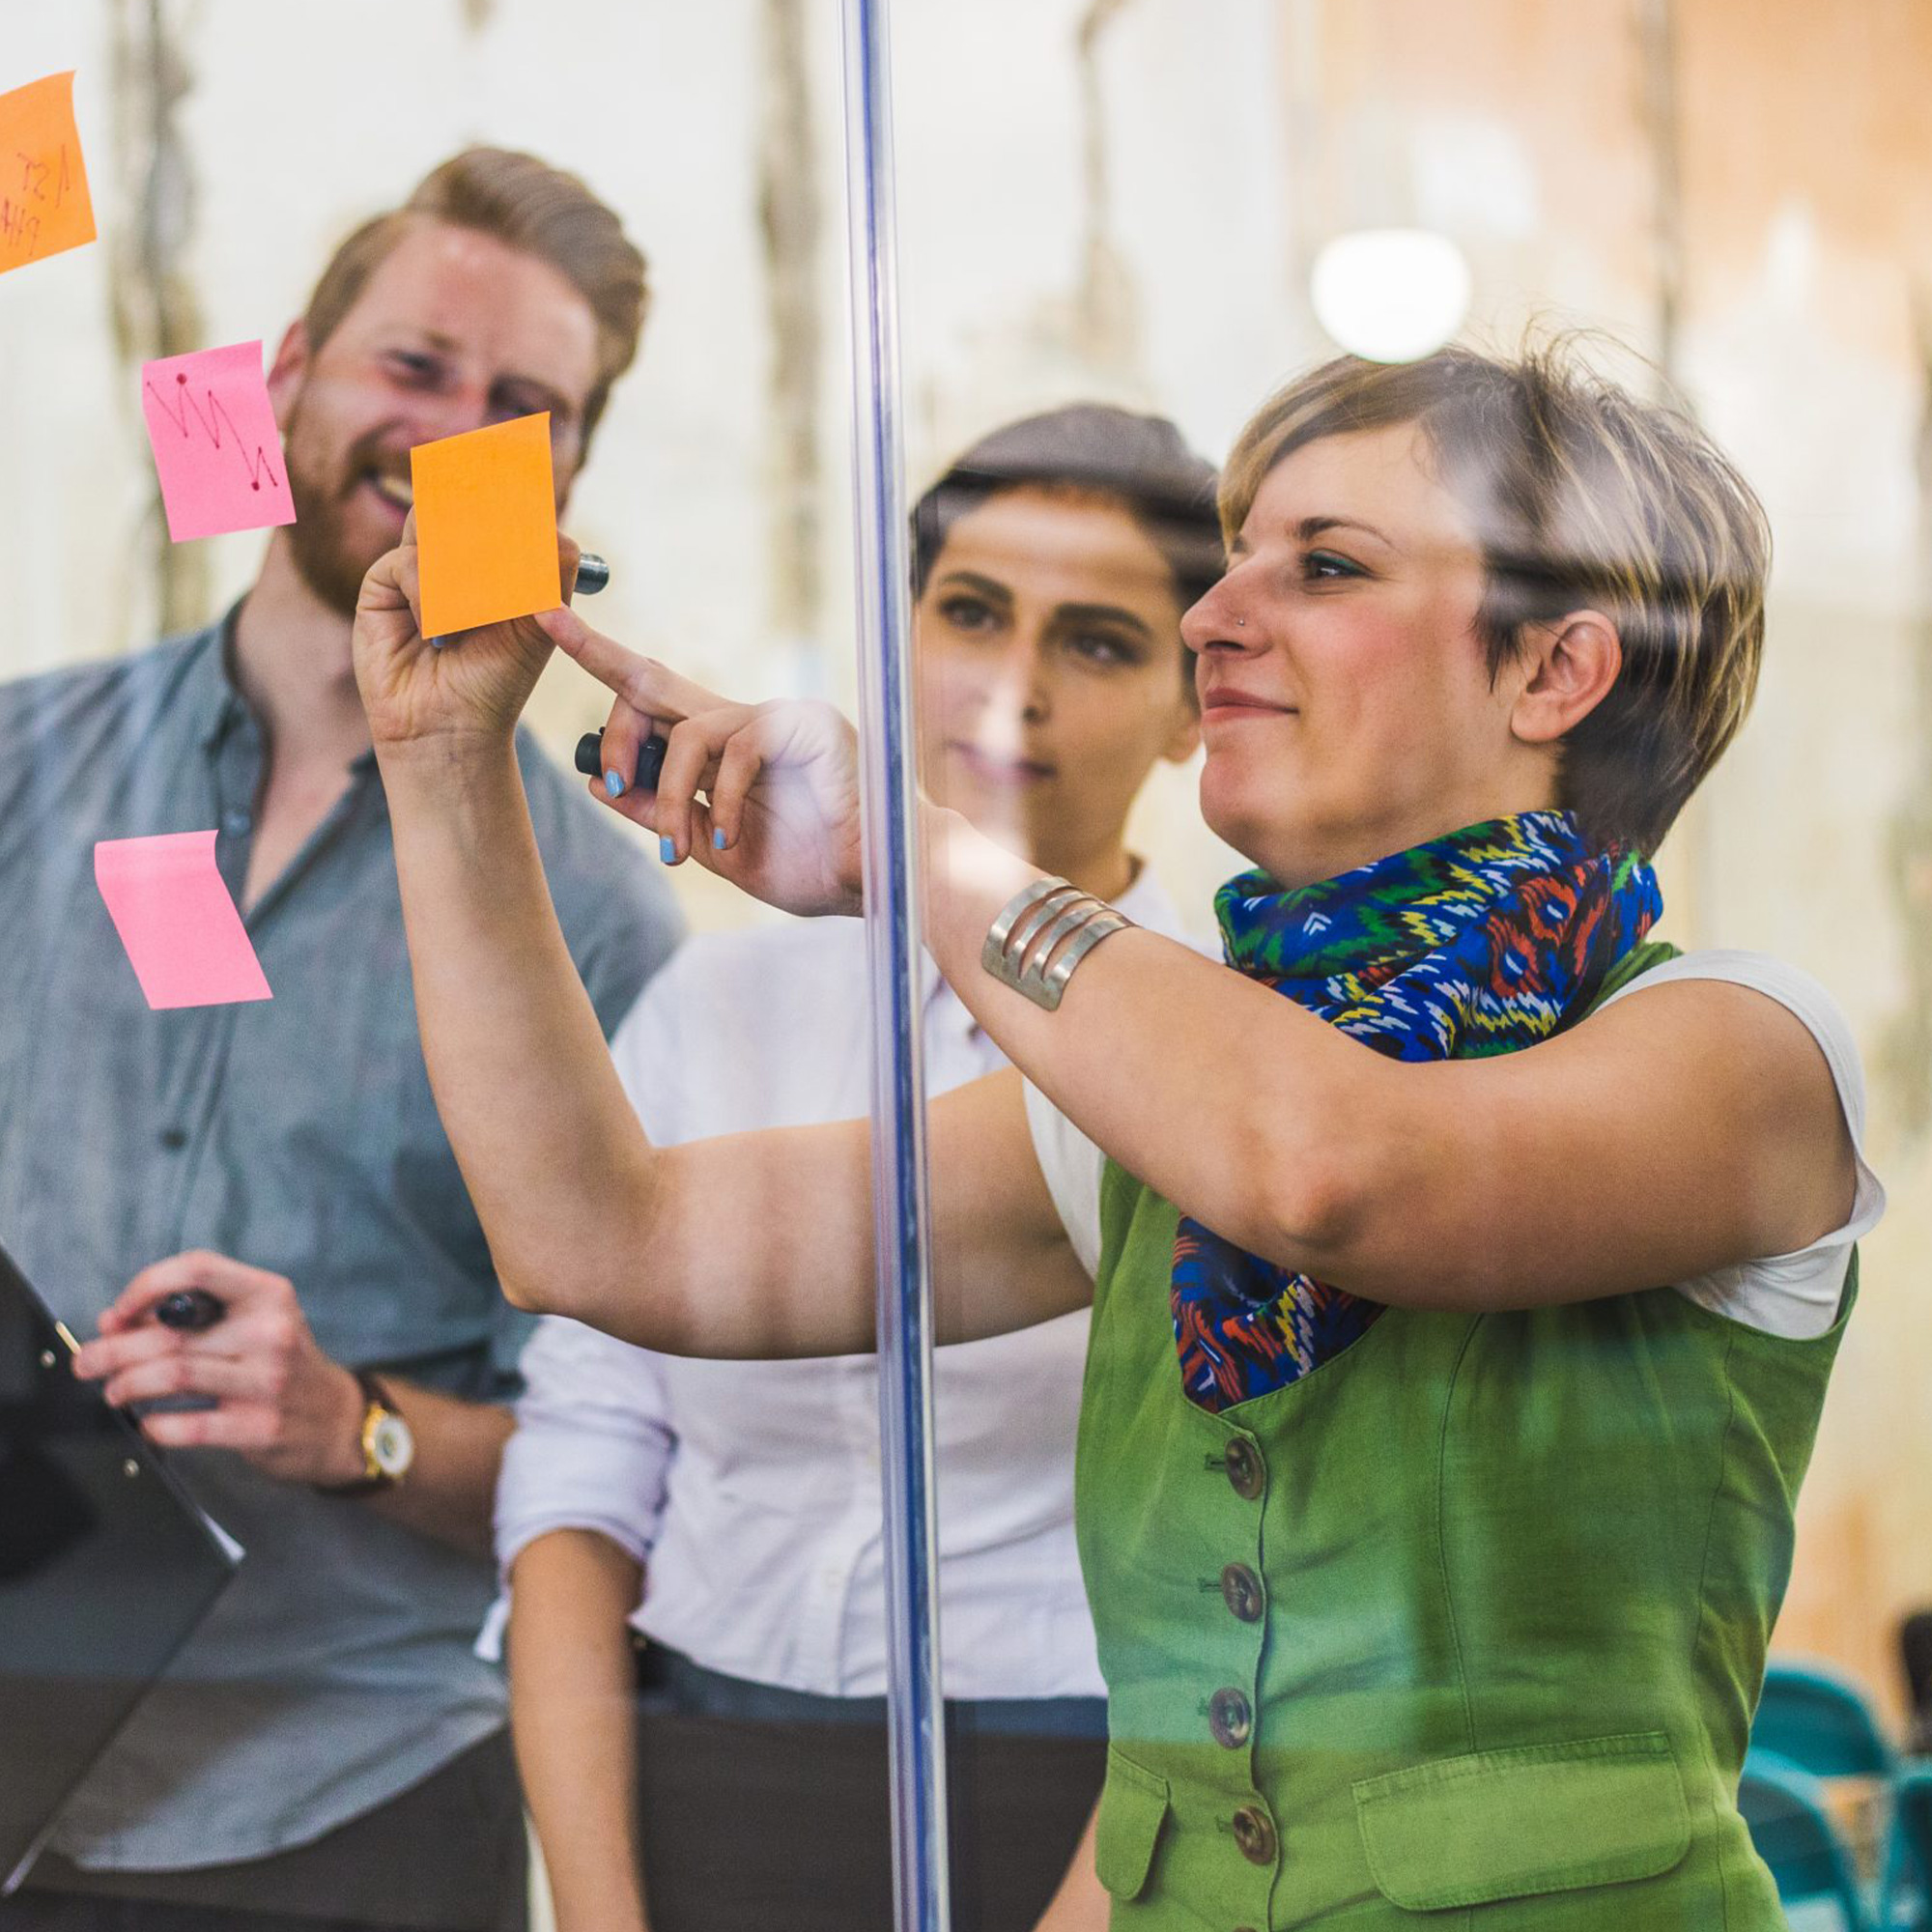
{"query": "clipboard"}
(107, 1566)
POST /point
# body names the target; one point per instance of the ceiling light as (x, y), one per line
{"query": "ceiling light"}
(1391, 295)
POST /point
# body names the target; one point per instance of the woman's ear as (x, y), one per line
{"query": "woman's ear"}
(1572, 665)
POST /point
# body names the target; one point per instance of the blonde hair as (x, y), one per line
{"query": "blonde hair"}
(525, 204)
(1584, 497)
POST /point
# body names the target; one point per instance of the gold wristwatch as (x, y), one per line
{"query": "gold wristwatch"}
(388, 1447)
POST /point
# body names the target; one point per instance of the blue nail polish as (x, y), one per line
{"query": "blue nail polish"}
(613, 784)
(718, 840)
(666, 851)
(436, 643)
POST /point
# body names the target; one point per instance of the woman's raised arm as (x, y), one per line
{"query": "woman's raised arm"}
(1475, 1183)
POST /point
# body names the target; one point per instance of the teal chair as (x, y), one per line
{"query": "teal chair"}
(1908, 1901)
(1793, 1832)
(1820, 1721)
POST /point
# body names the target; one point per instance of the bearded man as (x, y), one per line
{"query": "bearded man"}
(326, 1750)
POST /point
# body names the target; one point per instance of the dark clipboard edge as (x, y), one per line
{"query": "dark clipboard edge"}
(222, 1546)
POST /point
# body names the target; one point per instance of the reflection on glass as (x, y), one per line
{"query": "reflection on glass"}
(1332, 1601)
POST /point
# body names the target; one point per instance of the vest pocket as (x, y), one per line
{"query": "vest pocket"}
(1516, 1824)
(1133, 1807)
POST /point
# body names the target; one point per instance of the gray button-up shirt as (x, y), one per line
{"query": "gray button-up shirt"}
(296, 1134)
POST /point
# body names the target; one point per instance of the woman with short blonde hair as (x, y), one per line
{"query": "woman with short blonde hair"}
(1467, 1269)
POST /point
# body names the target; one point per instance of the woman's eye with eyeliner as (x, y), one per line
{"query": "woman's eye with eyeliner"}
(1324, 564)
(968, 613)
(1101, 647)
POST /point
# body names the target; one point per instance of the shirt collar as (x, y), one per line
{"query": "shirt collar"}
(1148, 902)
(209, 689)
(212, 690)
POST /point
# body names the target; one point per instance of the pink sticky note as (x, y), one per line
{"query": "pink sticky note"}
(184, 939)
(216, 442)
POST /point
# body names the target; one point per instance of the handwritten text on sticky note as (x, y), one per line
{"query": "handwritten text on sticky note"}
(183, 937)
(215, 444)
(45, 206)
(486, 525)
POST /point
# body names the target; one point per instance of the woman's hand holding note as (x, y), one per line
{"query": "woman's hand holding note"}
(415, 693)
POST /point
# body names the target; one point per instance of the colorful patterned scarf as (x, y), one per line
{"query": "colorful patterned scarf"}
(1484, 941)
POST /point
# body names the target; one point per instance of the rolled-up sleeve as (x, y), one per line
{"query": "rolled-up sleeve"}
(592, 1445)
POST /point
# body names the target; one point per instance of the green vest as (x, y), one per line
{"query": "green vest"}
(1462, 1629)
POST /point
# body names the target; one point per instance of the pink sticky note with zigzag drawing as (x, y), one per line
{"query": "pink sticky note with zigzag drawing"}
(184, 939)
(216, 442)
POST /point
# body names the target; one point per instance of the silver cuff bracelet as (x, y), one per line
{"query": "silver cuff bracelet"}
(1041, 934)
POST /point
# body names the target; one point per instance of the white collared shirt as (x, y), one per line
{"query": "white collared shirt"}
(751, 1491)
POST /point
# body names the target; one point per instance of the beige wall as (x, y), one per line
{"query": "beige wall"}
(1741, 189)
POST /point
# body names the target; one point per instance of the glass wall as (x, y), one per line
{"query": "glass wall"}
(1122, 225)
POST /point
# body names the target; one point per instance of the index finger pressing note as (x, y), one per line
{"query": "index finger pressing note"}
(645, 685)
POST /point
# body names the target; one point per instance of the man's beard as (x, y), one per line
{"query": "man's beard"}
(319, 538)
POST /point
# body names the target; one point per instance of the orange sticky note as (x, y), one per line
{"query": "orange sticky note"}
(45, 206)
(486, 525)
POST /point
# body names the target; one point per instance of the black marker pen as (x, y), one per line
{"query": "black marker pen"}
(191, 1309)
(650, 761)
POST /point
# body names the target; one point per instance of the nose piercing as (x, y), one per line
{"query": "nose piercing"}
(1241, 623)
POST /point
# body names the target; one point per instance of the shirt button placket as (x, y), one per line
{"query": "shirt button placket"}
(1232, 1708)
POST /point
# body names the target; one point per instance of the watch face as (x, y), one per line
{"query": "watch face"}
(392, 1445)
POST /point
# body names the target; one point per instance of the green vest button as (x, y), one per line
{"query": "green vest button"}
(1245, 1473)
(1231, 1717)
(1241, 1592)
(1254, 1835)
